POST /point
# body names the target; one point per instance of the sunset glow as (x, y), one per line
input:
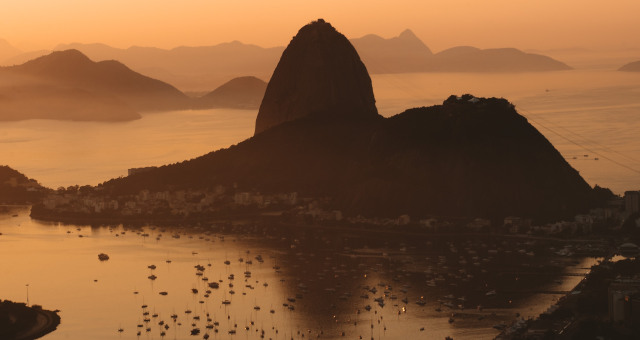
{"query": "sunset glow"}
(545, 24)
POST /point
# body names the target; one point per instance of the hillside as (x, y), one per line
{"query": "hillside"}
(631, 67)
(237, 93)
(467, 157)
(68, 85)
(16, 188)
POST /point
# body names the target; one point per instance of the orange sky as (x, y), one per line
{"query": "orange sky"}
(525, 24)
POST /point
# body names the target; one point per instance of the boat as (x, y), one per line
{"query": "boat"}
(103, 257)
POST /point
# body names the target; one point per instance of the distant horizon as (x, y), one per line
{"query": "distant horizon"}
(544, 25)
(567, 49)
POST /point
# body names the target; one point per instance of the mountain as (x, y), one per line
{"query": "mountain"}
(471, 59)
(23, 57)
(631, 67)
(407, 53)
(401, 54)
(7, 50)
(190, 68)
(16, 188)
(68, 85)
(467, 157)
(201, 68)
(239, 93)
(319, 73)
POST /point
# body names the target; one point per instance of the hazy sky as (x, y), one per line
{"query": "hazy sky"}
(525, 24)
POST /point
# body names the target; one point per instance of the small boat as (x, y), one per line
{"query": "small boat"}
(103, 257)
(163, 293)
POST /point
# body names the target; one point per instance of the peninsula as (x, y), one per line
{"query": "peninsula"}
(320, 148)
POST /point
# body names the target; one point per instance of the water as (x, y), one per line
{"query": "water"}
(327, 273)
(582, 112)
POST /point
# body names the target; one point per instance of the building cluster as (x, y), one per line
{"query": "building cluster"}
(624, 302)
(185, 203)
(180, 203)
(14, 182)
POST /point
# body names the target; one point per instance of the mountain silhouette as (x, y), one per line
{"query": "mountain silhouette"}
(201, 68)
(16, 188)
(240, 93)
(68, 85)
(467, 157)
(197, 68)
(7, 50)
(471, 59)
(401, 54)
(631, 67)
(319, 73)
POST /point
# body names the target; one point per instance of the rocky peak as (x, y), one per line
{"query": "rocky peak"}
(319, 74)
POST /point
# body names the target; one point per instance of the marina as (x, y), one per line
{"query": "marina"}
(305, 284)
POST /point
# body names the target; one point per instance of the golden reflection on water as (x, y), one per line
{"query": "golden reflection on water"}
(329, 281)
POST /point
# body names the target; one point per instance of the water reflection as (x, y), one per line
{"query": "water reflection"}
(279, 284)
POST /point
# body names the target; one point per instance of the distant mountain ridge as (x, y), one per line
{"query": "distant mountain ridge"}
(201, 68)
(401, 54)
(631, 67)
(241, 93)
(190, 68)
(67, 85)
(407, 53)
(7, 50)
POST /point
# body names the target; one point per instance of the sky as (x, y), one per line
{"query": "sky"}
(524, 24)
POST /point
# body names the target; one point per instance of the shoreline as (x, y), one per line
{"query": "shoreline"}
(29, 322)
(582, 311)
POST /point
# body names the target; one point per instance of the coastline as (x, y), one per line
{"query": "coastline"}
(584, 312)
(27, 322)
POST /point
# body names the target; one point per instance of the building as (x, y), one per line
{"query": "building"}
(624, 302)
(632, 201)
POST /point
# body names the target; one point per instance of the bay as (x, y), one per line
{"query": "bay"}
(590, 116)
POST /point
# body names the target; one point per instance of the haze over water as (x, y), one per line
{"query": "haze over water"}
(582, 112)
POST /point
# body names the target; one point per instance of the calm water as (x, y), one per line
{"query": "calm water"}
(583, 112)
(330, 280)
